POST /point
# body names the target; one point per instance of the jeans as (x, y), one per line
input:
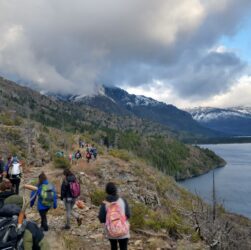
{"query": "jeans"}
(44, 224)
(122, 244)
(69, 203)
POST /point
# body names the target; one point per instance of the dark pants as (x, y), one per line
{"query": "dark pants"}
(44, 224)
(122, 244)
(15, 184)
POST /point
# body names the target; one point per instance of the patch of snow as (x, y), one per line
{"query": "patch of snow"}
(205, 114)
(145, 101)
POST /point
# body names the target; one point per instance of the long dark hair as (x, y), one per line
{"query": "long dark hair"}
(41, 178)
(67, 172)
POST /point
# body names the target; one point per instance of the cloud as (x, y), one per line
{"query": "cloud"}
(238, 95)
(208, 74)
(70, 46)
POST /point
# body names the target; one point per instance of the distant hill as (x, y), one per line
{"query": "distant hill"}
(117, 101)
(233, 121)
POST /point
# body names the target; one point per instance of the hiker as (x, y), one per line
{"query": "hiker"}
(79, 143)
(15, 174)
(6, 190)
(114, 213)
(78, 155)
(59, 154)
(29, 236)
(1, 168)
(70, 190)
(47, 198)
(88, 155)
(94, 152)
(70, 157)
(7, 166)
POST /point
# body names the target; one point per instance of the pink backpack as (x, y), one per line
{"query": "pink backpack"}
(75, 189)
(116, 222)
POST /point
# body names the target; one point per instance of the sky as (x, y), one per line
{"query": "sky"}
(184, 52)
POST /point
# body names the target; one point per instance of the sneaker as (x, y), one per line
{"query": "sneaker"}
(79, 221)
(66, 227)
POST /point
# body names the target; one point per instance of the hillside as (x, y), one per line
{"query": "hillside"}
(235, 121)
(150, 141)
(164, 215)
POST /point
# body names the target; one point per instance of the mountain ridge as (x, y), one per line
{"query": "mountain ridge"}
(117, 101)
(235, 121)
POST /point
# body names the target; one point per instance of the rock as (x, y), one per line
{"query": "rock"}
(138, 242)
(97, 236)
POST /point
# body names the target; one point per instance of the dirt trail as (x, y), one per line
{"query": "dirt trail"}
(88, 236)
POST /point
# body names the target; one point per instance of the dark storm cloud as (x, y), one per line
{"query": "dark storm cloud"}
(70, 46)
(213, 73)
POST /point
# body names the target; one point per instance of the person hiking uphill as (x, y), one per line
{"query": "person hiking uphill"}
(70, 190)
(94, 152)
(114, 213)
(28, 237)
(88, 155)
(15, 173)
(47, 198)
(78, 155)
(7, 167)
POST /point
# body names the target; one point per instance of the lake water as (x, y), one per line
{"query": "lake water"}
(232, 182)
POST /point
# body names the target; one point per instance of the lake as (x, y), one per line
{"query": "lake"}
(232, 182)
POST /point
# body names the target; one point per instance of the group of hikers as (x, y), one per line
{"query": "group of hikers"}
(12, 170)
(114, 212)
(89, 153)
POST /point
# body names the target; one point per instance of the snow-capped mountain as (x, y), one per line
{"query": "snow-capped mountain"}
(234, 120)
(117, 101)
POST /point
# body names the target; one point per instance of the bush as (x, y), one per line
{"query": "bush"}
(97, 196)
(6, 120)
(43, 142)
(137, 220)
(61, 162)
(122, 154)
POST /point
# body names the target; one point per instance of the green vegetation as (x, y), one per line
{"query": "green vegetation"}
(145, 218)
(44, 142)
(61, 162)
(97, 196)
(120, 153)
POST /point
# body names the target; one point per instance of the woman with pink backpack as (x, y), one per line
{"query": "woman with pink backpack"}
(115, 213)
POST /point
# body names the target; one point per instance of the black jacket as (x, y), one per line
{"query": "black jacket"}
(65, 187)
(102, 210)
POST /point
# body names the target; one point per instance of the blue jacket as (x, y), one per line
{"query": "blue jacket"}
(40, 206)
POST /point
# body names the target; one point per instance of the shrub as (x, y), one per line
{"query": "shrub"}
(137, 220)
(61, 162)
(43, 141)
(97, 196)
(122, 154)
(6, 120)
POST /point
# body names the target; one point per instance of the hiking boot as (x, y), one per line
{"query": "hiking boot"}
(66, 227)
(79, 221)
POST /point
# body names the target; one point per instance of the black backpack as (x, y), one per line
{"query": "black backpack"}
(12, 237)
